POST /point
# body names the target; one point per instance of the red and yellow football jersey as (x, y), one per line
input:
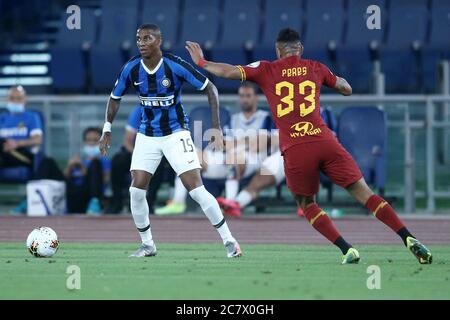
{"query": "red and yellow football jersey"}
(292, 88)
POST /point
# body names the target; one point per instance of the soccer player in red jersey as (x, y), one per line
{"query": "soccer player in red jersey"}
(292, 86)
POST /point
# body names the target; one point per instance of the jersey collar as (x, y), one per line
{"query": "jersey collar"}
(155, 69)
(248, 120)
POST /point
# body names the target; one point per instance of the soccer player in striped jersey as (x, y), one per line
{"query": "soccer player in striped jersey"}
(157, 80)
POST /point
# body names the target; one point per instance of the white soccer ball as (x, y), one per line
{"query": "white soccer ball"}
(42, 242)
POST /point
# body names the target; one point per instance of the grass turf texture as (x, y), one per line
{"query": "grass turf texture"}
(201, 271)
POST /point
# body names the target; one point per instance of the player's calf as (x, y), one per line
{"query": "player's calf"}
(211, 209)
(380, 208)
(140, 212)
(323, 224)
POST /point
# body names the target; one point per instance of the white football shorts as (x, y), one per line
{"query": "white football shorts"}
(178, 148)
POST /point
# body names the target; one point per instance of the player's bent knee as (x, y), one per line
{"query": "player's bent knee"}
(304, 201)
(137, 194)
(202, 196)
(191, 179)
(140, 179)
(360, 191)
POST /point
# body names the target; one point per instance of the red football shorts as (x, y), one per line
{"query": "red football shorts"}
(303, 163)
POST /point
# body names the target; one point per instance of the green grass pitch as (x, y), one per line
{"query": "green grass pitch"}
(201, 271)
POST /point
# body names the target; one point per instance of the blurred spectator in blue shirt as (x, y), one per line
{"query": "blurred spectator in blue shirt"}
(20, 131)
(86, 175)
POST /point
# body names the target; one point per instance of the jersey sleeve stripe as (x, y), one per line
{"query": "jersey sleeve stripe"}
(36, 132)
(204, 85)
(187, 66)
(243, 77)
(115, 97)
(130, 128)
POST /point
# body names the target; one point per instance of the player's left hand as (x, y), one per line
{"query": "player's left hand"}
(194, 50)
(105, 143)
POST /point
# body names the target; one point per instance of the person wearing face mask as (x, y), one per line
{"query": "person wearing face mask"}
(21, 137)
(20, 131)
(86, 175)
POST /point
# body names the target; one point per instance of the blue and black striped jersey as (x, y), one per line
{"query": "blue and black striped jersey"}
(159, 91)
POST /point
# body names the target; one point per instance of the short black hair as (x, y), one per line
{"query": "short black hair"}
(248, 84)
(91, 129)
(150, 26)
(288, 35)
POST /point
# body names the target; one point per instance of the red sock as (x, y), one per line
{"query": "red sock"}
(321, 222)
(384, 212)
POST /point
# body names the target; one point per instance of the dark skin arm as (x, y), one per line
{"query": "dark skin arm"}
(213, 100)
(111, 110)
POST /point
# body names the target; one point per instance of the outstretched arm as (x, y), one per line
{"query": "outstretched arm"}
(213, 100)
(111, 110)
(343, 87)
(222, 70)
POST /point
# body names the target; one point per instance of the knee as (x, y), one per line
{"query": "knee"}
(191, 180)
(304, 201)
(201, 196)
(137, 194)
(140, 179)
(360, 191)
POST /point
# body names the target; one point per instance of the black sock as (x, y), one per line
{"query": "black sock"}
(404, 233)
(342, 244)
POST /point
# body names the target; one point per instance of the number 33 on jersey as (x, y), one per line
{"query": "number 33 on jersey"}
(292, 87)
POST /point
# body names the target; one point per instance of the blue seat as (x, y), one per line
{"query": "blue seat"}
(440, 25)
(67, 68)
(105, 66)
(278, 15)
(163, 13)
(264, 53)
(75, 38)
(183, 53)
(356, 66)
(358, 35)
(322, 56)
(318, 55)
(200, 25)
(118, 24)
(325, 23)
(401, 70)
(408, 23)
(22, 174)
(429, 61)
(330, 120)
(362, 131)
(234, 56)
(203, 115)
(241, 23)
(198, 4)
